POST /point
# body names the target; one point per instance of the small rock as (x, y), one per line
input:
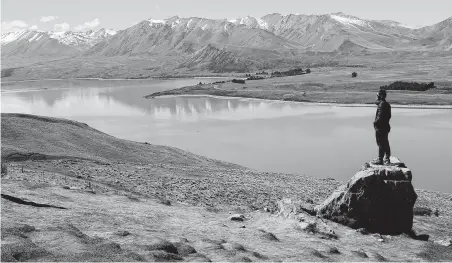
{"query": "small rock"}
(308, 226)
(259, 255)
(436, 213)
(267, 210)
(317, 254)
(362, 231)
(270, 236)
(123, 233)
(233, 246)
(333, 250)
(184, 249)
(160, 255)
(379, 257)
(243, 227)
(165, 202)
(380, 240)
(446, 243)
(361, 254)
(161, 244)
(237, 217)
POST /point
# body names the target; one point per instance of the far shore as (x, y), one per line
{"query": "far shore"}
(322, 90)
(357, 105)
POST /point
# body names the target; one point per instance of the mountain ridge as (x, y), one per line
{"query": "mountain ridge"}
(237, 44)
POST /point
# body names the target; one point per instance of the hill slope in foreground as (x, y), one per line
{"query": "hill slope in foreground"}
(86, 196)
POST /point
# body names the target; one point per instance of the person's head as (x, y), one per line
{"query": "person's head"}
(381, 94)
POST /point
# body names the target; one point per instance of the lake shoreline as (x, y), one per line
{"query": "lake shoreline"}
(318, 88)
(349, 105)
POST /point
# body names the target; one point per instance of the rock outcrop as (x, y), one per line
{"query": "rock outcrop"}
(379, 198)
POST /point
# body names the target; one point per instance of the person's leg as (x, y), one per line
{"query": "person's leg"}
(381, 150)
(386, 147)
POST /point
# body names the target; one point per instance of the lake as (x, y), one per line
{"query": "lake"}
(316, 140)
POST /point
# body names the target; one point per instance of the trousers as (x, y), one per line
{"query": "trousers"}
(383, 144)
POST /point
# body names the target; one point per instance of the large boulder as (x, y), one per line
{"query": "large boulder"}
(379, 198)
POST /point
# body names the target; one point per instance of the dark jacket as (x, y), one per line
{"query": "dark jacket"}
(383, 116)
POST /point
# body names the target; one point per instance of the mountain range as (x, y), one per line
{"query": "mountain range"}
(235, 45)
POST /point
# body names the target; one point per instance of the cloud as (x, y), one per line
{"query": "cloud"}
(157, 7)
(15, 25)
(61, 27)
(46, 19)
(88, 25)
(34, 27)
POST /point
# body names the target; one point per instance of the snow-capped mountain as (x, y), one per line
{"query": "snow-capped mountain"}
(241, 43)
(28, 42)
(329, 32)
(77, 39)
(175, 34)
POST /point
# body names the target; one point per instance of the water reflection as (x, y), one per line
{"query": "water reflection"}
(324, 141)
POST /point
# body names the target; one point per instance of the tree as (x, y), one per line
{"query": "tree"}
(308, 70)
(354, 75)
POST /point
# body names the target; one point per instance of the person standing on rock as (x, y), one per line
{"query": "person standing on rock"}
(382, 129)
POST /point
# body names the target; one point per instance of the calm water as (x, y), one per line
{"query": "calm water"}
(322, 141)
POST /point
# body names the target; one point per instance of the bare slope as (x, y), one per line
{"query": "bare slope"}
(45, 137)
(108, 224)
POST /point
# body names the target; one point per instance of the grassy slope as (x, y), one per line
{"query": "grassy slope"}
(23, 134)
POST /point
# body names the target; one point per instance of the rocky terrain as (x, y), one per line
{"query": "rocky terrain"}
(71, 193)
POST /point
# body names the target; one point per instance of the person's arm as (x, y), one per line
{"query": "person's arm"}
(389, 112)
(378, 115)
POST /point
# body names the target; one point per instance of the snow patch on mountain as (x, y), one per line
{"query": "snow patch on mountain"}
(20, 35)
(155, 21)
(250, 21)
(348, 20)
(69, 38)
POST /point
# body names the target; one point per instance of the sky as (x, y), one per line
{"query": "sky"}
(81, 15)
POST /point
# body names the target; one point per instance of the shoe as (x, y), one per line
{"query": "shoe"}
(377, 161)
(387, 161)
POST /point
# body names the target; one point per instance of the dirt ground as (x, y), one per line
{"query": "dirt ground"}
(127, 212)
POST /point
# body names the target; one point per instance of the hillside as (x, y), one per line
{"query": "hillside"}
(35, 137)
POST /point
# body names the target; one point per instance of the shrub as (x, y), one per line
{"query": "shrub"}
(413, 86)
(354, 75)
(308, 71)
(241, 81)
(254, 78)
(292, 72)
